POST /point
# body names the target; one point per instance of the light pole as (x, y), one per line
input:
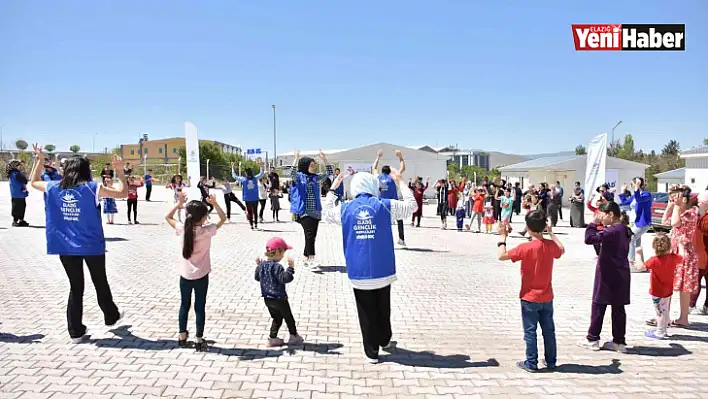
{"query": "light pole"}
(613, 131)
(275, 148)
(93, 145)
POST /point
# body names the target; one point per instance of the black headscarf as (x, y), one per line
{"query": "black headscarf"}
(303, 165)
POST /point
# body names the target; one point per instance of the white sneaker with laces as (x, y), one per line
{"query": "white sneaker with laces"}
(80, 339)
(592, 345)
(372, 361)
(401, 243)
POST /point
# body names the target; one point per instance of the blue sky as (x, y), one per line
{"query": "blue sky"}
(492, 75)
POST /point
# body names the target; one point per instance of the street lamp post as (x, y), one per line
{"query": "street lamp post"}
(275, 148)
(613, 131)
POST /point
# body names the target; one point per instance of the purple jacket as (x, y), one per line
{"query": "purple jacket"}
(612, 275)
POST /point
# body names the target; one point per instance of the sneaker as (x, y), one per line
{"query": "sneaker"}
(295, 340)
(692, 310)
(401, 243)
(523, 365)
(120, 318)
(592, 345)
(611, 346)
(704, 310)
(22, 223)
(136, 222)
(372, 360)
(15, 224)
(275, 342)
(201, 346)
(654, 334)
(80, 339)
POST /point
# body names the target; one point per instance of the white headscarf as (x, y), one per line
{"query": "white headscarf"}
(364, 183)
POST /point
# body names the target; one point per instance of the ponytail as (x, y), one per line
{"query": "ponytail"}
(195, 212)
(624, 218)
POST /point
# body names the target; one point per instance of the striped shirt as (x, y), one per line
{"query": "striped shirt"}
(311, 198)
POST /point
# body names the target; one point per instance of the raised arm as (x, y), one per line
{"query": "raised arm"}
(332, 213)
(261, 172)
(402, 167)
(404, 208)
(170, 217)
(375, 165)
(36, 176)
(121, 189)
(329, 169)
(593, 235)
(222, 216)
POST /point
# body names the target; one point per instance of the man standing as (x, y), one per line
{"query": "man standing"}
(559, 191)
(388, 188)
(369, 252)
(518, 196)
(148, 184)
(642, 221)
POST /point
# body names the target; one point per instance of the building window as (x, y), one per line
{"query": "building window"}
(145, 151)
(132, 152)
(159, 150)
(174, 150)
(693, 180)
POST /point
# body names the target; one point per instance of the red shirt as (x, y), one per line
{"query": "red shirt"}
(133, 190)
(478, 206)
(662, 270)
(536, 269)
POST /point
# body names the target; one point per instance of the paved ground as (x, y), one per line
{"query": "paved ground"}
(455, 315)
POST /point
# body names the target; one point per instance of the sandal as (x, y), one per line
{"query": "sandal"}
(673, 323)
(651, 322)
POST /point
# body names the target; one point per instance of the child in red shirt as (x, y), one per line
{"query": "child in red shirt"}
(661, 286)
(536, 295)
(133, 198)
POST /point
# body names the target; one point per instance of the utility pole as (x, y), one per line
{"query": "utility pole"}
(275, 139)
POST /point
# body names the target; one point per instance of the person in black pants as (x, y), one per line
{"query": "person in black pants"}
(229, 197)
(204, 187)
(15, 172)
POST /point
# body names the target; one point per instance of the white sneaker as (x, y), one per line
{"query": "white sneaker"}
(275, 342)
(401, 243)
(592, 345)
(80, 339)
(611, 346)
(372, 361)
(295, 340)
(692, 310)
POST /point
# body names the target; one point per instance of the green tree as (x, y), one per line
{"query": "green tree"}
(580, 150)
(50, 148)
(705, 141)
(21, 145)
(74, 148)
(626, 151)
(671, 148)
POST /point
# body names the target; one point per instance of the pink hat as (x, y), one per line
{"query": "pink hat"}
(277, 243)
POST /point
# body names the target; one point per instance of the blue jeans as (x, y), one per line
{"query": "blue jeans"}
(200, 288)
(636, 241)
(533, 314)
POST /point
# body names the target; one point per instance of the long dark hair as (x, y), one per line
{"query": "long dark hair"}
(195, 211)
(77, 171)
(613, 208)
(249, 173)
(181, 180)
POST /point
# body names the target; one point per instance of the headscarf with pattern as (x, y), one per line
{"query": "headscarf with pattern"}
(14, 164)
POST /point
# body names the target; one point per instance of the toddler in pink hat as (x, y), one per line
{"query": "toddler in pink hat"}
(273, 277)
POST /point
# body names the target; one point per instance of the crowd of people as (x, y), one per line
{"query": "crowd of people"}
(377, 200)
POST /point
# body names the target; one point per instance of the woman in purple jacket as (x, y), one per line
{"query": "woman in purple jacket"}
(612, 275)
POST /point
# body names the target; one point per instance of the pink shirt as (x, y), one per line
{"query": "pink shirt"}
(199, 265)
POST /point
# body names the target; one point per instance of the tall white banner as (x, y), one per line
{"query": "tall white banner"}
(191, 138)
(596, 161)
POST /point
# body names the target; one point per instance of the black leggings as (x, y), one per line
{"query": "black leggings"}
(200, 287)
(252, 210)
(279, 310)
(18, 209)
(74, 267)
(231, 197)
(133, 205)
(260, 213)
(309, 227)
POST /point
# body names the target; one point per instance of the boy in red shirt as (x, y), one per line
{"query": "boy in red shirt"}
(661, 285)
(536, 258)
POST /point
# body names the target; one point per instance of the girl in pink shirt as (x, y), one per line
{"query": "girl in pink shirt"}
(196, 262)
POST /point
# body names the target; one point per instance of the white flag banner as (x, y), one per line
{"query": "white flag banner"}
(191, 138)
(596, 162)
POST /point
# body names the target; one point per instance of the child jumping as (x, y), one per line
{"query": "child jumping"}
(537, 257)
(273, 277)
(109, 204)
(196, 262)
(662, 267)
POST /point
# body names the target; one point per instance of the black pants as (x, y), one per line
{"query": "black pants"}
(442, 210)
(74, 267)
(401, 236)
(619, 322)
(227, 200)
(18, 209)
(260, 213)
(553, 214)
(374, 309)
(133, 205)
(148, 191)
(279, 309)
(309, 227)
(560, 212)
(252, 211)
(200, 287)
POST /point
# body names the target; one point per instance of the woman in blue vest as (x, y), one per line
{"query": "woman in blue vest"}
(305, 199)
(15, 172)
(369, 252)
(75, 233)
(388, 188)
(249, 185)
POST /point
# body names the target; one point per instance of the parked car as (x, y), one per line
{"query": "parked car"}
(658, 207)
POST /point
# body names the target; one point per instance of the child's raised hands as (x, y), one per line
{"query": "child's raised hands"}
(258, 261)
(291, 262)
(181, 197)
(211, 199)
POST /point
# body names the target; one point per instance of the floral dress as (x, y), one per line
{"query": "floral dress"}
(686, 275)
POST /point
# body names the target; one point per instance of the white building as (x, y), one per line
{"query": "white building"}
(285, 159)
(664, 180)
(696, 168)
(569, 169)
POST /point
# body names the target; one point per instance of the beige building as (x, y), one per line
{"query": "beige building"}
(166, 150)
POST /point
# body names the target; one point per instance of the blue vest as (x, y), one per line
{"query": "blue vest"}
(340, 190)
(74, 225)
(388, 187)
(250, 189)
(53, 175)
(17, 188)
(298, 193)
(368, 238)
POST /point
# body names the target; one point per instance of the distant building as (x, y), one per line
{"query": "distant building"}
(166, 150)
(696, 172)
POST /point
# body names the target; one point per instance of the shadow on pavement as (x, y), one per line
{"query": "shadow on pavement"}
(407, 357)
(252, 354)
(20, 339)
(419, 250)
(674, 350)
(687, 338)
(330, 269)
(125, 339)
(570, 368)
(114, 239)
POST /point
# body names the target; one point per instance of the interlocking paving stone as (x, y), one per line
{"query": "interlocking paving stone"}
(455, 314)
